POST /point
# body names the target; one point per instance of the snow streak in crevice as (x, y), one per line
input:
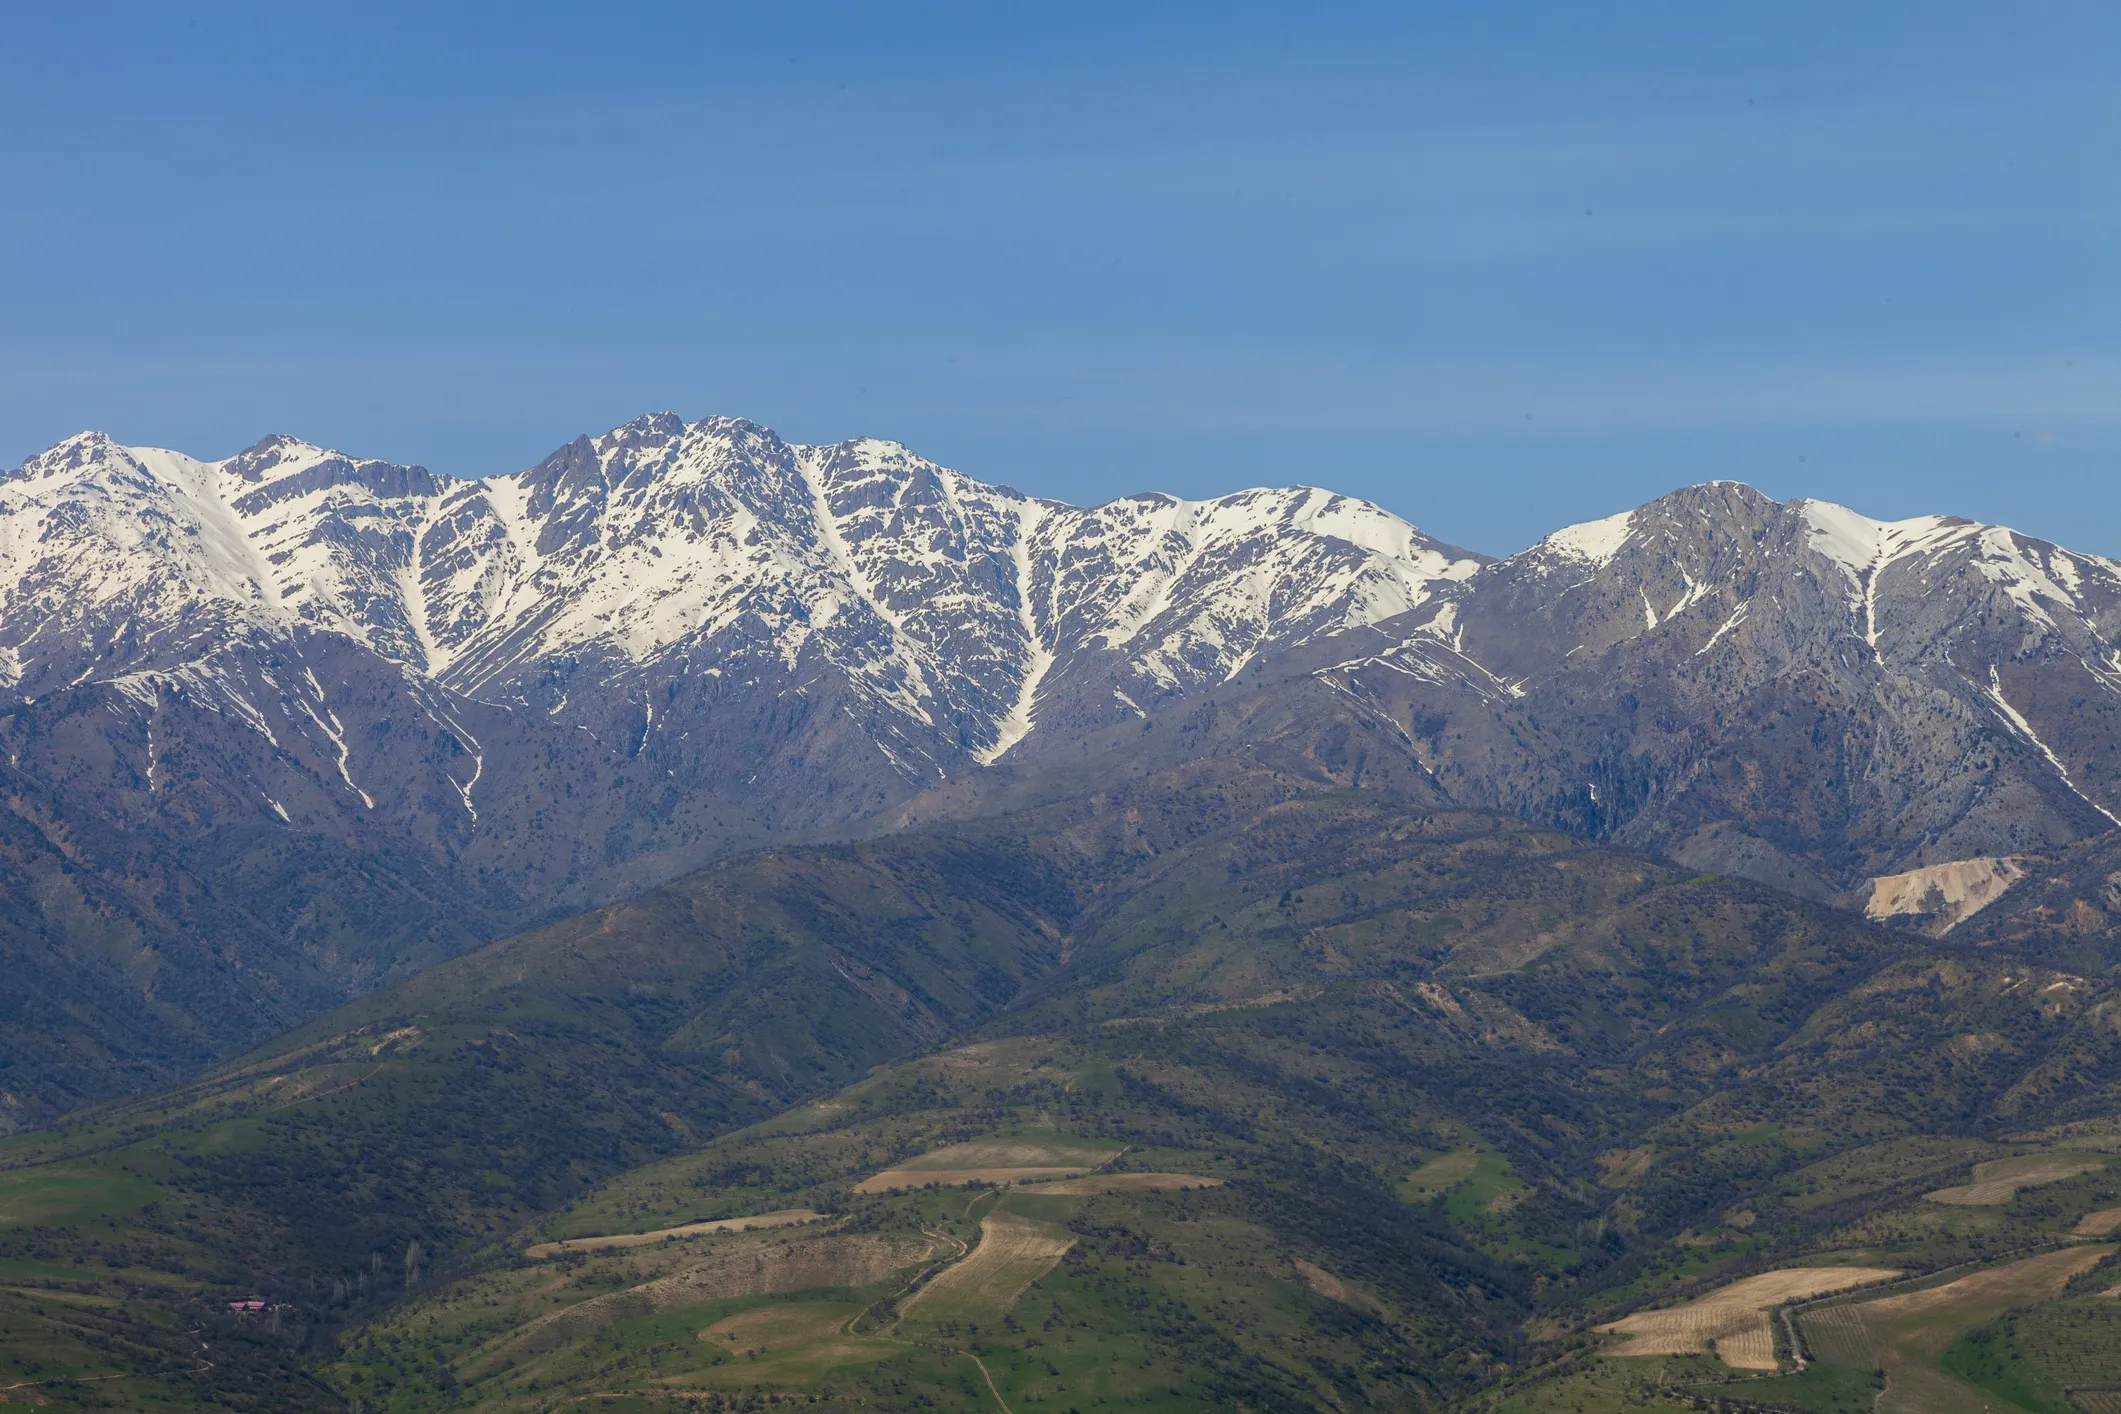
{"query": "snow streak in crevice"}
(1038, 659)
(2025, 729)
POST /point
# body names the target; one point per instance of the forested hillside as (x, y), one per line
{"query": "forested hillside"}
(1467, 1085)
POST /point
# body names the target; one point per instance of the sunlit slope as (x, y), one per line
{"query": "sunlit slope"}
(1311, 1228)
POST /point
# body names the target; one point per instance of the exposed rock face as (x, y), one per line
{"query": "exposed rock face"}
(308, 721)
(711, 606)
(1788, 692)
(295, 722)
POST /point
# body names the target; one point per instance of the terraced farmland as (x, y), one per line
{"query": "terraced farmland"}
(1024, 1160)
(1733, 1322)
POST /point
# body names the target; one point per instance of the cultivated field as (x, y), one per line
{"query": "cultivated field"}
(1736, 1317)
(1440, 1175)
(787, 1217)
(1999, 1180)
(789, 1344)
(1012, 1253)
(1921, 1324)
(899, 1180)
(2078, 1342)
(993, 1161)
(2097, 1224)
(757, 1268)
(1126, 1183)
(1837, 1337)
(1910, 1332)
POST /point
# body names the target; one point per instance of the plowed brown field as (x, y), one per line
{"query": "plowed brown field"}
(787, 1217)
(1999, 1180)
(1735, 1317)
(1013, 1252)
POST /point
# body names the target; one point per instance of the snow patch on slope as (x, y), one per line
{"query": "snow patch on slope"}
(1595, 542)
(1860, 545)
(1865, 548)
(2025, 729)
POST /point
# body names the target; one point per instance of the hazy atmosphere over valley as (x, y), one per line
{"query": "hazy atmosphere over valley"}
(1371, 709)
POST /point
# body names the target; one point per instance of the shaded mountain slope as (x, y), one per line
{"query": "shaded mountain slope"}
(1790, 692)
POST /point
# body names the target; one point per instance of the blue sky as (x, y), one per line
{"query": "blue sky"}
(1497, 267)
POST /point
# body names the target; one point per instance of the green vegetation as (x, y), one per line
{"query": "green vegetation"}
(1819, 1388)
(1472, 1089)
(1440, 1176)
(1998, 1368)
(2033, 1357)
(61, 1193)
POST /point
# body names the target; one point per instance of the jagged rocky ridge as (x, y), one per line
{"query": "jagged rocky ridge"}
(899, 620)
(286, 725)
(1789, 692)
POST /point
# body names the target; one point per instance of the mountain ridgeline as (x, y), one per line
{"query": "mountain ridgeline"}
(281, 728)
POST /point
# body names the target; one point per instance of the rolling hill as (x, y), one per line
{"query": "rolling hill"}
(1467, 1084)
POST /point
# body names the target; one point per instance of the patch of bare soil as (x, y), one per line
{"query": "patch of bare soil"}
(1733, 1321)
(1013, 1252)
(897, 1180)
(751, 1269)
(1944, 895)
(1329, 1286)
(1999, 1180)
(787, 1217)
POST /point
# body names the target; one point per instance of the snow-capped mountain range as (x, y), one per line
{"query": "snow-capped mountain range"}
(1791, 692)
(662, 550)
(304, 720)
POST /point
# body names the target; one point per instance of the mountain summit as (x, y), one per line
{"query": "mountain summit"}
(1791, 692)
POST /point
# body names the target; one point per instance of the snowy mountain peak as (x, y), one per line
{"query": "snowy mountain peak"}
(1593, 542)
(649, 427)
(273, 455)
(63, 458)
(1861, 545)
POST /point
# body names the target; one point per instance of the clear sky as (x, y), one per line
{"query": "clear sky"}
(1498, 267)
